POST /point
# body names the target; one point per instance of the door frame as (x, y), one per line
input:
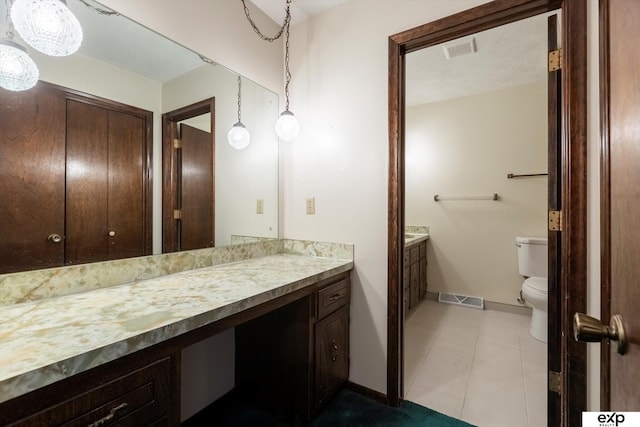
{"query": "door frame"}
(170, 165)
(564, 408)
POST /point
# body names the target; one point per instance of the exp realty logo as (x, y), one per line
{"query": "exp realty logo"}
(610, 419)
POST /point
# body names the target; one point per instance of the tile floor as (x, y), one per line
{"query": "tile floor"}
(480, 366)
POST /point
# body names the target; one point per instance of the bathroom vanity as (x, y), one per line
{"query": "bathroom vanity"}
(112, 355)
(414, 277)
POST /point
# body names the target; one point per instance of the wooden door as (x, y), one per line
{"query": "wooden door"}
(86, 189)
(196, 189)
(105, 188)
(188, 175)
(126, 218)
(620, 196)
(32, 162)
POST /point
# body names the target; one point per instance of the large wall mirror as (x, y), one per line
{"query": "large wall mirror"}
(124, 67)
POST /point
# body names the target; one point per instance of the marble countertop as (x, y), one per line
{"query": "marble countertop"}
(411, 239)
(45, 341)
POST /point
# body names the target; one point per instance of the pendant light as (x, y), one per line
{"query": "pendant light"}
(287, 127)
(47, 25)
(17, 70)
(239, 136)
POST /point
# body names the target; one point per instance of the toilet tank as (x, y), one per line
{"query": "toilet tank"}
(532, 256)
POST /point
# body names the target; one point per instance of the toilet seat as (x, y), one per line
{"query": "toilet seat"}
(537, 284)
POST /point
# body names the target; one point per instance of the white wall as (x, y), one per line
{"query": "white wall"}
(466, 146)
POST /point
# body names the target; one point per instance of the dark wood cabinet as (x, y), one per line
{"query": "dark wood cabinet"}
(414, 275)
(292, 360)
(122, 393)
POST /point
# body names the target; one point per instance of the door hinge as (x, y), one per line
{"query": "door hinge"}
(177, 214)
(555, 58)
(555, 382)
(177, 143)
(555, 220)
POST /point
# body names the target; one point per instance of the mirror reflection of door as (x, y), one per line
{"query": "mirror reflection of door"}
(189, 174)
(73, 177)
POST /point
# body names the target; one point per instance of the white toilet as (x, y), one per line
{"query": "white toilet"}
(532, 264)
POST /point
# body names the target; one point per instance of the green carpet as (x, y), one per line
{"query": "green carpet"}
(353, 410)
(347, 408)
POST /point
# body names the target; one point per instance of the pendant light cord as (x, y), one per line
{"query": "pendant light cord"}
(239, 97)
(283, 29)
(285, 24)
(287, 73)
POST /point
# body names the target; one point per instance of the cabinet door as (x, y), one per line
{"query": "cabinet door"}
(332, 354)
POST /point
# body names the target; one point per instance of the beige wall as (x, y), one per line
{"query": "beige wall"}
(466, 146)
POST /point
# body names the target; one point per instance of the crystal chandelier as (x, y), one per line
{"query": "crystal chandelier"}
(47, 25)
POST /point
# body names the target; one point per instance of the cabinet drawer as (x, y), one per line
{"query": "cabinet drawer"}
(140, 397)
(333, 297)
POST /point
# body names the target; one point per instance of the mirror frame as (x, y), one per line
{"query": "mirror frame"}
(570, 359)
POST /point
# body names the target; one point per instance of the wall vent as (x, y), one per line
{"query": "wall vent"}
(459, 48)
(474, 302)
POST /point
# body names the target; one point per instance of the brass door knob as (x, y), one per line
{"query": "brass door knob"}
(54, 238)
(590, 329)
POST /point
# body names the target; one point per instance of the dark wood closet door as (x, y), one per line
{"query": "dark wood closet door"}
(31, 178)
(87, 171)
(126, 213)
(105, 212)
(196, 225)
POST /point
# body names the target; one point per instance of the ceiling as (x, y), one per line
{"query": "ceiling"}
(300, 9)
(511, 55)
(507, 56)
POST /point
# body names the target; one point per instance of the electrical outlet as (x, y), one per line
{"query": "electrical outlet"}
(260, 206)
(311, 205)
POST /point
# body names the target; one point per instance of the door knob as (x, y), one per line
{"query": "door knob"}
(590, 329)
(54, 238)
(112, 233)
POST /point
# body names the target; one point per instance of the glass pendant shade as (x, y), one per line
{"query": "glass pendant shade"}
(239, 136)
(17, 69)
(287, 127)
(47, 25)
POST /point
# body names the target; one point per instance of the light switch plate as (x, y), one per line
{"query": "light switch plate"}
(311, 205)
(260, 206)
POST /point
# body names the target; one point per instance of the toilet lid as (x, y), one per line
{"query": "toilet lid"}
(537, 283)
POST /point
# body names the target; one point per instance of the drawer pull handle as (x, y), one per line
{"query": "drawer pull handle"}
(334, 356)
(109, 416)
(335, 297)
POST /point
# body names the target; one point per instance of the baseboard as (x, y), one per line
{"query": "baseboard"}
(367, 392)
(490, 305)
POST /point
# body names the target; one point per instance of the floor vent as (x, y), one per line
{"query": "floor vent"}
(467, 301)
